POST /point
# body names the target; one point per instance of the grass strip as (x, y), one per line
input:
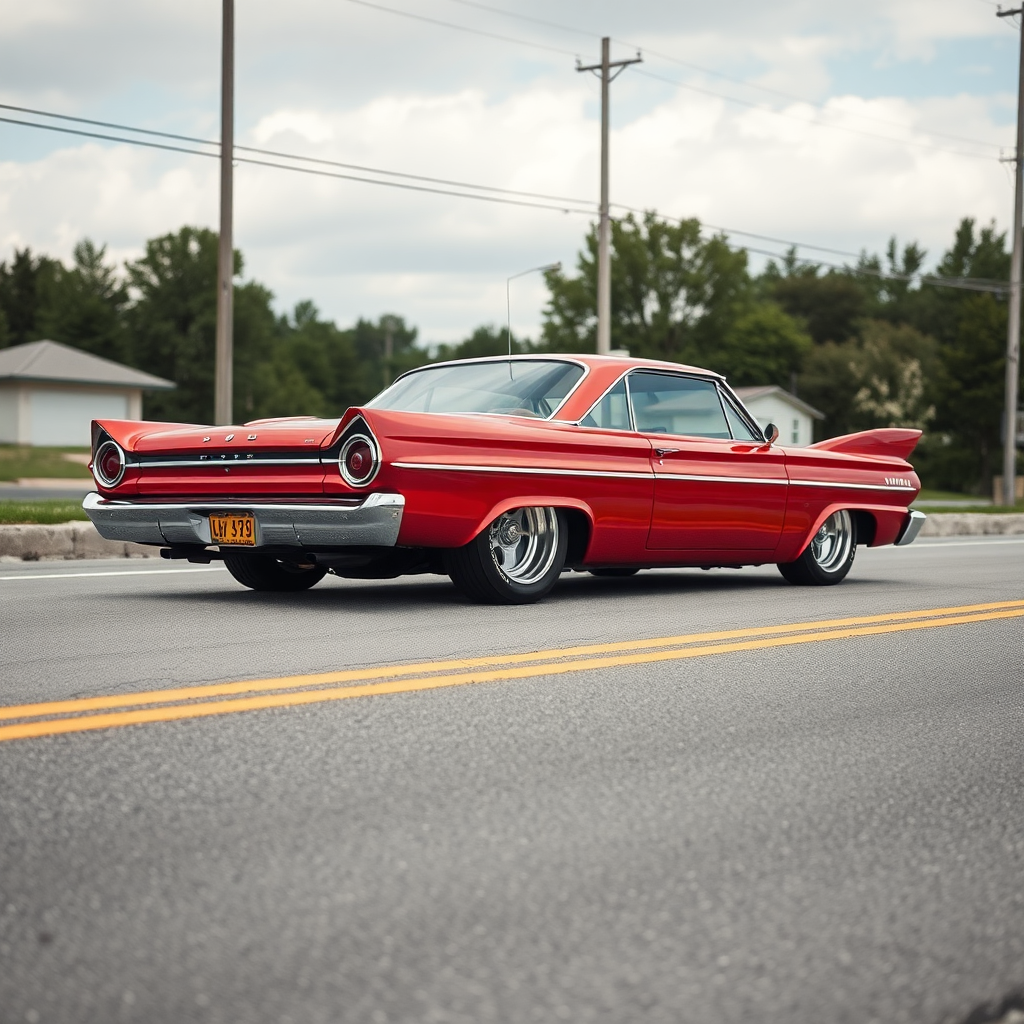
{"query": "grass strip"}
(43, 512)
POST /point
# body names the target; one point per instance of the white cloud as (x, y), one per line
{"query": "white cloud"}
(342, 83)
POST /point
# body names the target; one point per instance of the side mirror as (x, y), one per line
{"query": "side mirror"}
(771, 434)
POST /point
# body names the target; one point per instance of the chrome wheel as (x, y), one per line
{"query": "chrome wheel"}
(524, 543)
(831, 545)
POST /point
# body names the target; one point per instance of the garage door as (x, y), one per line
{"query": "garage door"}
(63, 417)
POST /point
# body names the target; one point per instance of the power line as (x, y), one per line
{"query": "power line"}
(703, 70)
(577, 206)
(814, 121)
(682, 85)
(305, 170)
(462, 28)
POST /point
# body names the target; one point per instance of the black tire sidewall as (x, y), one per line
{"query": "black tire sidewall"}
(474, 570)
(805, 571)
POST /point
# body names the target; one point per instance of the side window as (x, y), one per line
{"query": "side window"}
(664, 403)
(740, 430)
(612, 412)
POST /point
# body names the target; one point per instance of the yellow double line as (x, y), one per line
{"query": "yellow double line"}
(87, 713)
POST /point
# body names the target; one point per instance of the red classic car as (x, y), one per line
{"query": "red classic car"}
(502, 473)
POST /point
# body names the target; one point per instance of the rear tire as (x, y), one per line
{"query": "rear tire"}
(264, 572)
(515, 560)
(828, 557)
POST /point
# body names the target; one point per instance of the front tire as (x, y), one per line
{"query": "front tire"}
(828, 557)
(264, 572)
(515, 560)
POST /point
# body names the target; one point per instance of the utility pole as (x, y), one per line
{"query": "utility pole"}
(223, 383)
(604, 269)
(1013, 320)
(388, 323)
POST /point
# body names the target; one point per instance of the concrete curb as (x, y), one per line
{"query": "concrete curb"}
(33, 543)
(971, 524)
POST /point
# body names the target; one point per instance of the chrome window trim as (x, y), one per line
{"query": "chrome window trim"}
(491, 359)
(715, 381)
(607, 391)
(727, 394)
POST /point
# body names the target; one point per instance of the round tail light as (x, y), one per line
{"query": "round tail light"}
(358, 460)
(109, 464)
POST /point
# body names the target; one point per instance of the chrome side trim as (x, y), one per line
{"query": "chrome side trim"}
(723, 479)
(236, 459)
(858, 487)
(524, 470)
(911, 528)
(374, 520)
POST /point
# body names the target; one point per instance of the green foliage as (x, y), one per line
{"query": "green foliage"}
(881, 378)
(486, 340)
(867, 345)
(57, 510)
(672, 291)
(18, 461)
(827, 304)
(763, 345)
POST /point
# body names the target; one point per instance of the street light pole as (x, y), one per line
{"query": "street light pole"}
(1013, 320)
(223, 383)
(604, 268)
(508, 298)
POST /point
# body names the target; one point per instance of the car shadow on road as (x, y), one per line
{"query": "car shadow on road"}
(425, 592)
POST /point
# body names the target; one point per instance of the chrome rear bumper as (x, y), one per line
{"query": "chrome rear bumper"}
(911, 528)
(371, 520)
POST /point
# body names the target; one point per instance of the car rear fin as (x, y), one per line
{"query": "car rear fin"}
(884, 442)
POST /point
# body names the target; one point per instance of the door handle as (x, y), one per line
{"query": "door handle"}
(662, 452)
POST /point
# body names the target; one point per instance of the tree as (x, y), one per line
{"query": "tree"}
(173, 317)
(882, 378)
(828, 304)
(24, 286)
(763, 346)
(484, 341)
(83, 306)
(385, 350)
(673, 291)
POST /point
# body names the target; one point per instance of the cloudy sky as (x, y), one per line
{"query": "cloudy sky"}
(833, 125)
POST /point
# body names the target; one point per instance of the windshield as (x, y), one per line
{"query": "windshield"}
(520, 387)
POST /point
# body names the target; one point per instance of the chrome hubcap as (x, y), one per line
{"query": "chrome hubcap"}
(831, 545)
(524, 542)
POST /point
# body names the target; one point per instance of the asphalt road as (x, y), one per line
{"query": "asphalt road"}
(805, 824)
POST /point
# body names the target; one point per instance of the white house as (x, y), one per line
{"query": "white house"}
(772, 404)
(50, 393)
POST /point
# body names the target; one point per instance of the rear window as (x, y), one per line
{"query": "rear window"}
(519, 387)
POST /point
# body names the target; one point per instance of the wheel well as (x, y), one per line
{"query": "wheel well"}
(866, 526)
(579, 535)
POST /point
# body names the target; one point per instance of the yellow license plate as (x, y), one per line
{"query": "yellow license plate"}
(233, 529)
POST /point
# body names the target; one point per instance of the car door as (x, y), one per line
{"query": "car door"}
(718, 487)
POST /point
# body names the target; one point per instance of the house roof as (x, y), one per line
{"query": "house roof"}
(50, 361)
(748, 395)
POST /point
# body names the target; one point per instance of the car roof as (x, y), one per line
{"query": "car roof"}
(585, 358)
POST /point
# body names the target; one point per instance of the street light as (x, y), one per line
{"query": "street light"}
(508, 301)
